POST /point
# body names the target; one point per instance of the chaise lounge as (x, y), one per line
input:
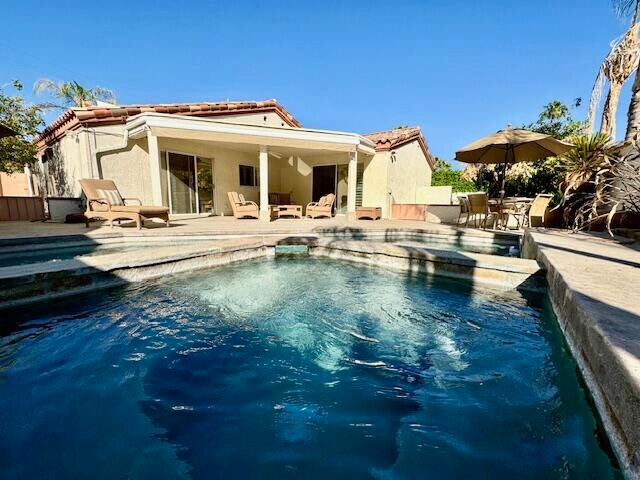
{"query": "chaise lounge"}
(242, 208)
(104, 201)
(321, 208)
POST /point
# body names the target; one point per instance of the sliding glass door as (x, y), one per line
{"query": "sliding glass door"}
(189, 183)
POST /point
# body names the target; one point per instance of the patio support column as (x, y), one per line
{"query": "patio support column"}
(265, 215)
(154, 168)
(352, 180)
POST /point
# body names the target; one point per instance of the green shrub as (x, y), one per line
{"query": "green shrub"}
(442, 178)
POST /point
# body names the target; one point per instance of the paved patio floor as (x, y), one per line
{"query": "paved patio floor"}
(232, 226)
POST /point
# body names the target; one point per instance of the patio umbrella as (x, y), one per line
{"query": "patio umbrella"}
(7, 131)
(512, 145)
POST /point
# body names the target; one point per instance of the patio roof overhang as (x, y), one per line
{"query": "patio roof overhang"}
(204, 129)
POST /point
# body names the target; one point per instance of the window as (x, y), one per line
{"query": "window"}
(248, 177)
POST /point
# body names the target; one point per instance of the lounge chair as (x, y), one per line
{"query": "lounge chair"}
(104, 201)
(321, 208)
(242, 208)
(538, 210)
(479, 210)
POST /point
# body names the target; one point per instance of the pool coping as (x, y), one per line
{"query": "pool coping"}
(593, 287)
(24, 284)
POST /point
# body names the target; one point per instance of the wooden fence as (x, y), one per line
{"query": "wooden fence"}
(21, 208)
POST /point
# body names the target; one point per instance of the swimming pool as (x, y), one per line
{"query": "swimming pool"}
(294, 368)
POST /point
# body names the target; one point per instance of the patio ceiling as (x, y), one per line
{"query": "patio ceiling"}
(276, 138)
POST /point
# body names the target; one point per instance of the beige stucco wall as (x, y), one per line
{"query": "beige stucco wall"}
(408, 171)
(375, 183)
(66, 164)
(296, 173)
(130, 170)
(14, 185)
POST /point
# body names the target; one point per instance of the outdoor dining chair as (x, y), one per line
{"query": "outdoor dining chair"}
(479, 210)
(538, 210)
(464, 210)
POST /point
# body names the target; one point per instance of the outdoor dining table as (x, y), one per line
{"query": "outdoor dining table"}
(516, 206)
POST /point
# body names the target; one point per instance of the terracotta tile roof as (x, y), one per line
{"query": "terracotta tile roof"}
(390, 139)
(105, 115)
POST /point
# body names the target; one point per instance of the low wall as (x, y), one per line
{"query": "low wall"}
(59, 208)
(443, 213)
(408, 211)
(21, 208)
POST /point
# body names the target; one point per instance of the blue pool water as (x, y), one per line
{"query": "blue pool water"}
(294, 368)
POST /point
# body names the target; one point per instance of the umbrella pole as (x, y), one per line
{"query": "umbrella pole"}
(504, 173)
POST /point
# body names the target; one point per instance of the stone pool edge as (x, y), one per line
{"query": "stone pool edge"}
(24, 284)
(590, 330)
(37, 282)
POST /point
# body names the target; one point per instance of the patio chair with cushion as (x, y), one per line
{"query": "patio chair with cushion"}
(321, 208)
(479, 210)
(242, 208)
(104, 201)
(538, 210)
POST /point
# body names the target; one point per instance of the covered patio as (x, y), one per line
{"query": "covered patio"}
(194, 162)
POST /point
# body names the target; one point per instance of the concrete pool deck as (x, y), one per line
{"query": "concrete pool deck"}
(594, 285)
(205, 227)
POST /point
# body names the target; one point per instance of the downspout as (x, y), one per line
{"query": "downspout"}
(89, 153)
(388, 187)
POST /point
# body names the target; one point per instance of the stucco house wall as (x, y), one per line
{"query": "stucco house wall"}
(130, 170)
(408, 172)
(375, 183)
(296, 173)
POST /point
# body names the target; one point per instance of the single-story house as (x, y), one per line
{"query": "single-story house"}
(188, 156)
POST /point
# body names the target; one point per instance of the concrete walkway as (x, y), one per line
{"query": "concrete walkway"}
(594, 284)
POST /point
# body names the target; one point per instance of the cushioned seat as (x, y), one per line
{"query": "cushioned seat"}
(142, 210)
(104, 201)
(241, 207)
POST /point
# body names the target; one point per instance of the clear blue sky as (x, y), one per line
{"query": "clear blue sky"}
(460, 69)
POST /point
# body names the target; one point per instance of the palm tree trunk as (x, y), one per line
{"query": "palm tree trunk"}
(633, 115)
(608, 124)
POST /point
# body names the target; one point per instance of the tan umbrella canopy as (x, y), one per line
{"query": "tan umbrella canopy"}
(512, 145)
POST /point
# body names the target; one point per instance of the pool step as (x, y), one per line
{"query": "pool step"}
(291, 250)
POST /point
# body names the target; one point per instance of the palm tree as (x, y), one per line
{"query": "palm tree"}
(72, 94)
(625, 8)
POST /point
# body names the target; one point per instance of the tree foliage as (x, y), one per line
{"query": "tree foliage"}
(445, 175)
(555, 119)
(18, 151)
(72, 94)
